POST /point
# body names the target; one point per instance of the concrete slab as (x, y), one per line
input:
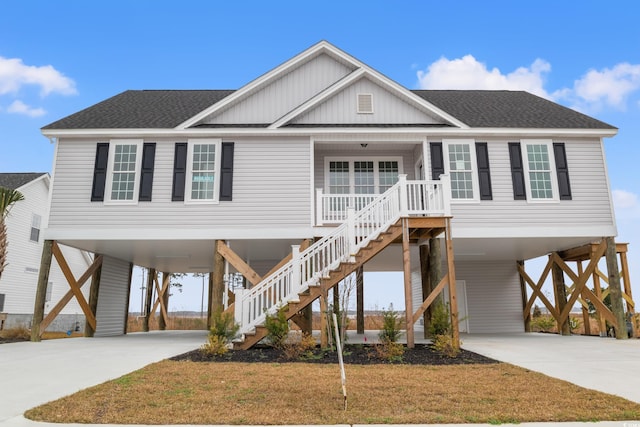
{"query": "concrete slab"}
(604, 364)
(36, 373)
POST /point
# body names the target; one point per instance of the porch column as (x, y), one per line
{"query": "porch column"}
(585, 311)
(324, 330)
(166, 286)
(360, 300)
(560, 291)
(525, 299)
(93, 300)
(615, 293)
(41, 291)
(434, 273)
(453, 298)
(218, 282)
(209, 299)
(408, 297)
(126, 311)
(426, 286)
(151, 276)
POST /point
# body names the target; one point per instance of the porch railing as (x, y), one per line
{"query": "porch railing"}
(423, 197)
(306, 268)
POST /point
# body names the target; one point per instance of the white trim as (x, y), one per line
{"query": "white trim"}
(418, 132)
(530, 231)
(474, 167)
(552, 172)
(217, 142)
(41, 177)
(351, 159)
(608, 182)
(136, 183)
(312, 189)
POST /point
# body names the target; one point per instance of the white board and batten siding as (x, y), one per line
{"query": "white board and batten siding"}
(387, 108)
(492, 291)
(284, 94)
(112, 297)
(589, 209)
(271, 188)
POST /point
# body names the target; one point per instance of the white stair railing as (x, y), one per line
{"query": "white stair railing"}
(306, 268)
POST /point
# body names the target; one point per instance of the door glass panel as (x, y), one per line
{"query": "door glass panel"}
(387, 175)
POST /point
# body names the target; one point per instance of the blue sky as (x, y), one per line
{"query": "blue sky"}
(59, 57)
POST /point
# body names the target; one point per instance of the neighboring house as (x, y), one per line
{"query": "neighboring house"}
(156, 177)
(25, 223)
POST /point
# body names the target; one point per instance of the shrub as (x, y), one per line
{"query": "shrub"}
(574, 323)
(215, 346)
(16, 333)
(277, 328)
(543, 323)
(223, 330)
(440, 320)
(390, 326)
(444, 345)
(299, 346)
(390, 351)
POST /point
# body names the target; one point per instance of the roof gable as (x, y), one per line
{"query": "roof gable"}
(14, 181)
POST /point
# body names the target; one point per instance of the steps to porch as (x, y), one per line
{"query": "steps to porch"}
(360, 236)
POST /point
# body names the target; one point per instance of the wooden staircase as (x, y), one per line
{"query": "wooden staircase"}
(375, 246)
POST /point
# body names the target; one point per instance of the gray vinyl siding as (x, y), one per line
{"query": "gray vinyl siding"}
(494, 301)
(590, 204)
(283, 95)
(356, 152)
(270, 188)
(112, 297)
(387, 108)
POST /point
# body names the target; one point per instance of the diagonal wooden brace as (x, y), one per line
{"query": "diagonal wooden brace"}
(537, 293)
(75, 287)
(242, 267)
(432, 296)
(160, 294)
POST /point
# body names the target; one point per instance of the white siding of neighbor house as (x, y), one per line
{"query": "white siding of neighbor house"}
(387, 108)
(271, 188)
(112, 297)
(590, 205)
(20, 278)
(494, 303)
(356, 152)
(286, 93)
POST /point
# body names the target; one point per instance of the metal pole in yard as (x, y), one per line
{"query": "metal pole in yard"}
(343, 375)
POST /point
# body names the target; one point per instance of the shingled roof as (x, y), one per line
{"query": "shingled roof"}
(165, 109)
(14, 181)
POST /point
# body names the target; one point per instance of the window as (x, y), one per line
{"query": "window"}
(203, 169)
(47, 296)
(538, 167)
(124, 170)
(35, 228)
(361, 175)
(461, 165)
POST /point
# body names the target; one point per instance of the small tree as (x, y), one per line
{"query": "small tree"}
(7, 198)
(277, 328)
(223, 330)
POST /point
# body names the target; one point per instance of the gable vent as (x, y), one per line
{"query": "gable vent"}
(365, 103)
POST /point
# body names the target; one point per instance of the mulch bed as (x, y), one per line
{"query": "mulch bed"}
(421, 354)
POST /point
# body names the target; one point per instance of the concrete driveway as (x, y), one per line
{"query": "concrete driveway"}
(605, 364)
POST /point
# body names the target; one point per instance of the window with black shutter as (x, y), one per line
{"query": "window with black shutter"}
(517, 171)
(226, 172)
(484, 173)
(179, 171)
(100, 172)
(146, 173)
(562, 169)
(437, 160)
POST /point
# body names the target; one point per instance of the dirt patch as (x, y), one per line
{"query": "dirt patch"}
(354, 354)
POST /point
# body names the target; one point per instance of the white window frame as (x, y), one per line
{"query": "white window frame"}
(474, 167)
(217, 142)
(136, 184)
(552, 170)
(351, 160)
(36, 223)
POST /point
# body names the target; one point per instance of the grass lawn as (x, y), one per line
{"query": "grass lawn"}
(173, 392)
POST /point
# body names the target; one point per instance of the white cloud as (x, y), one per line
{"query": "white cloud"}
(469, 73)
(19, 107)
(14, 74)
(609, 87)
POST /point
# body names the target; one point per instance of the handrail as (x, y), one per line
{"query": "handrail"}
(306, 268)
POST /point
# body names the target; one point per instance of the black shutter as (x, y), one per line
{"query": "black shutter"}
(179, 172)
(563, 170)
(100, 172)
(437, 160)
(226, 172)
(517, 171)
(146, 174)
(484, 174)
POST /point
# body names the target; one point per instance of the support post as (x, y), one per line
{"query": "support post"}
(426, 286)
(602, 325)
(360, 300)
(560, 291)
(41, 291)
(307, 314)
(324, 329)
(624, 268)
(151, 276)
(218, 282)
(615, 293)
(453, 298)
(435, 270)
(525, 299)
(126, 310)
(408, 297)
(210, 300)
(93, 300)
(586, 321)
(166, 284)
